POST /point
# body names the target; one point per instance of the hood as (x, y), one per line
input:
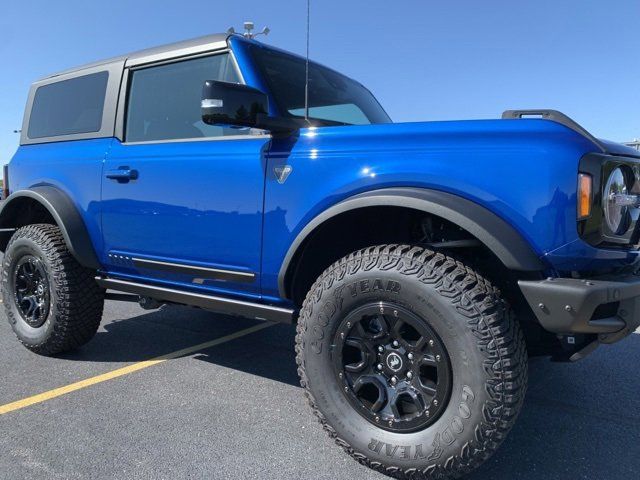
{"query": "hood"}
(615, 148)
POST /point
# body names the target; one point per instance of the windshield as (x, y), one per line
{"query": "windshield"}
(333, 98)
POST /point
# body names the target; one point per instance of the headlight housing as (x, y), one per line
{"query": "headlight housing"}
(613, 221)
(617, 216)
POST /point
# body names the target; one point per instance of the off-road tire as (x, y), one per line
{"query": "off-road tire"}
(487, 354)
(76, 301)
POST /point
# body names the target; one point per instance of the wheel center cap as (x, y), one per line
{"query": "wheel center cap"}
(394, 362)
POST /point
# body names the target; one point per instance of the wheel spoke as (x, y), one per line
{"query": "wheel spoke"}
(408, 335)
(374, 327)
(29, 270)
(429, 359)
(428, 374)
(31, 304)
(397, 325)
(371, 389)
(428, 389)
(23, 283)
(421, 343)
(407, 404)
(396, 333)
(364, 361)
(359, 330)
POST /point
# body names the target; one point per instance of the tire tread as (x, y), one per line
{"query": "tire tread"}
(489, 319)
(79, 301)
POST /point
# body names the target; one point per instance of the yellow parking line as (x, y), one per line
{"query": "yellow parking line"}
(56, 392)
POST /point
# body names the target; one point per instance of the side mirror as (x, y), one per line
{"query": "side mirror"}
(226, 103)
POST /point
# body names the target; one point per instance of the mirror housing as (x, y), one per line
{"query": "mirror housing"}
(225, 103)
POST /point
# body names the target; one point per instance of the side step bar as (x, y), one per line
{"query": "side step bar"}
(207, 302)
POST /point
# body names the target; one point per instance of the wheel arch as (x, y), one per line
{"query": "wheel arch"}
(507, 244)
(46, 203)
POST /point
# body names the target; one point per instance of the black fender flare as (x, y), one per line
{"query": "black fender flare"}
(64, 213)
(491, 230)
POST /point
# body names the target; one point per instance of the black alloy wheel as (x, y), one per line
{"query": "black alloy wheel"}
(31, 290)
(394, 368)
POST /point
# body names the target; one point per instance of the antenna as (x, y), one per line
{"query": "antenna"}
(306, 70)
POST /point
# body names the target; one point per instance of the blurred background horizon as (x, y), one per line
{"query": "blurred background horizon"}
(424, 60)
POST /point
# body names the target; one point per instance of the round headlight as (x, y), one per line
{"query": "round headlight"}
(617, 216)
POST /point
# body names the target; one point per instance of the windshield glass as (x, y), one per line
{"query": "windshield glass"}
(333, 98)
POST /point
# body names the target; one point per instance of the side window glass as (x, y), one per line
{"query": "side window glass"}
(164, 101)
(68, 107)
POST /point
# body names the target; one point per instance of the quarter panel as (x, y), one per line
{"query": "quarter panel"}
(75, 168)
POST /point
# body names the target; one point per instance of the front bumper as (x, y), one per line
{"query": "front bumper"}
(608, 307)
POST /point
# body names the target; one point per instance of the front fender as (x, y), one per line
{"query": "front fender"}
(496, 234)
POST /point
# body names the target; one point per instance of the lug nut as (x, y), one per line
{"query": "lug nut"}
(410, 356)
(395, 343)
(437, 358)
(381, 349)
(409, 375)
(379, 366)
(431, 343)
(394, 380)
(435, 402)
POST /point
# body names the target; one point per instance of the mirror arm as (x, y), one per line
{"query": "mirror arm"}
(279, 125)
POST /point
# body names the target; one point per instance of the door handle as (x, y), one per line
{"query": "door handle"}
(123, 174)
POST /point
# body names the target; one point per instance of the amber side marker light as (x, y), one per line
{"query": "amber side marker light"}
(585, 187)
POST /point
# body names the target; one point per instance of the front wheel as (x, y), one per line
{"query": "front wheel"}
(411, 360)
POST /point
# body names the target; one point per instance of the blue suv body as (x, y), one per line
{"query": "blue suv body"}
(237, 197)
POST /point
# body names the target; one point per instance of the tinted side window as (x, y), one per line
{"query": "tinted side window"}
(68, 107)
(164, 101)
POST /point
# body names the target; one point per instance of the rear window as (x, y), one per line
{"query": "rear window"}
(68, 107)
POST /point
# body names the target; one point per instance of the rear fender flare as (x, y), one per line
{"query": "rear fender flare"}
(64, 213)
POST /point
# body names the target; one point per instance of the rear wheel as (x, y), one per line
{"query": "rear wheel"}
(411, 360)
(52, 302)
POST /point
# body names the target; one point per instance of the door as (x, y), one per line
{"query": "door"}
(181, 200)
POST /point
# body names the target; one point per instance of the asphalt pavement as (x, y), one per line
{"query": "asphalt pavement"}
(235, 410)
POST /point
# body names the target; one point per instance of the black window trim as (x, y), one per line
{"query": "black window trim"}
(114, 71)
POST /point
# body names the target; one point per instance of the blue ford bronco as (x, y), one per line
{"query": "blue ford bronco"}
(422, 263)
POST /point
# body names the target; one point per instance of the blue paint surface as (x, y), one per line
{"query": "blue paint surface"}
(217, 203)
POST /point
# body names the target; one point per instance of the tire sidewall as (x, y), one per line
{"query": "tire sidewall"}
(18, 248)
(455, 427)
